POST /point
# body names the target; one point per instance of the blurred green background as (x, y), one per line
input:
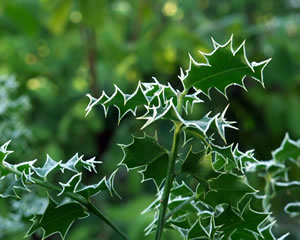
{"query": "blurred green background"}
(53, 52)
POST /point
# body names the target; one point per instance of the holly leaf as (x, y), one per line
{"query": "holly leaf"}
(288, 149)
(142, 151)
(185, 209)
(204, 231)
(75, 185)
(227, 188)
(71, 164)
(197, 232)
(3, 155)
(231, 159)
(138, 98)
(148, 153)
(181, 225)
(156, 170)
(224, 67)
(199, 165)
(123, 102)
(267, 234)
(75, 162)
(95, 101)
(48, 167)
(164, 110)
(181, 190)
(57, 218)
(239, 223)
(168, 111)
(90, 190)
(16, 176)
(217, 122)
(9, 185)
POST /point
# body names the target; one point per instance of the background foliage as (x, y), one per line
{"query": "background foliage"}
(53, 52)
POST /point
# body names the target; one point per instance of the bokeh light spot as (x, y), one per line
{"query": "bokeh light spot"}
(34, 83)
(75, 17)
(80, 83)
(170, 54)
(170, 9)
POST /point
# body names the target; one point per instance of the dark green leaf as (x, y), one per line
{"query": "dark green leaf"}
(9, 185)
(57, 219)
(3, 154)
(199, 165)
(288, 149)
(229, 189)
(142, 151)
(157, 169)
(224, 67)
(235, 222)
(146, 151)
(49, 166)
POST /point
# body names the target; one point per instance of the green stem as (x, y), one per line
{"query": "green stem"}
(180, 100)
(170, 170)
(89, 206)
(169, 181)
(180, 206)
(206, 142)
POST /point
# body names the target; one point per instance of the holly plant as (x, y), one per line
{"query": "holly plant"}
(204, 188)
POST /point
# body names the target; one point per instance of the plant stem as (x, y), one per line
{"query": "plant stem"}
(78, 198)
(169, 181)
(180, 100)
(170, 170)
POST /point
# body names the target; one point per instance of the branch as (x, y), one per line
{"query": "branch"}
(89, 206)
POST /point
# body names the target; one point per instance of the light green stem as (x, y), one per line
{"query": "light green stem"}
(168, 184)
(170, 170)
(87, 204)
(180, 100)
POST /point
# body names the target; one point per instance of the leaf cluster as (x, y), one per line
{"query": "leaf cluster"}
(214, 201)
(201, 194)
(16, 179)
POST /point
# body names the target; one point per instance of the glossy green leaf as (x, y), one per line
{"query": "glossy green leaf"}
(9, 186)
(224, 67)
(75, 185)
(156, 170)
(3, 155)
(148, 153)
(234, 223)
(199, 165)
(199, 128)
(207, 231)
(123, 102)
(227, 188)
(288, 149)
(57, 218)
(48, 167)
(16, 176)
(198, 232)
